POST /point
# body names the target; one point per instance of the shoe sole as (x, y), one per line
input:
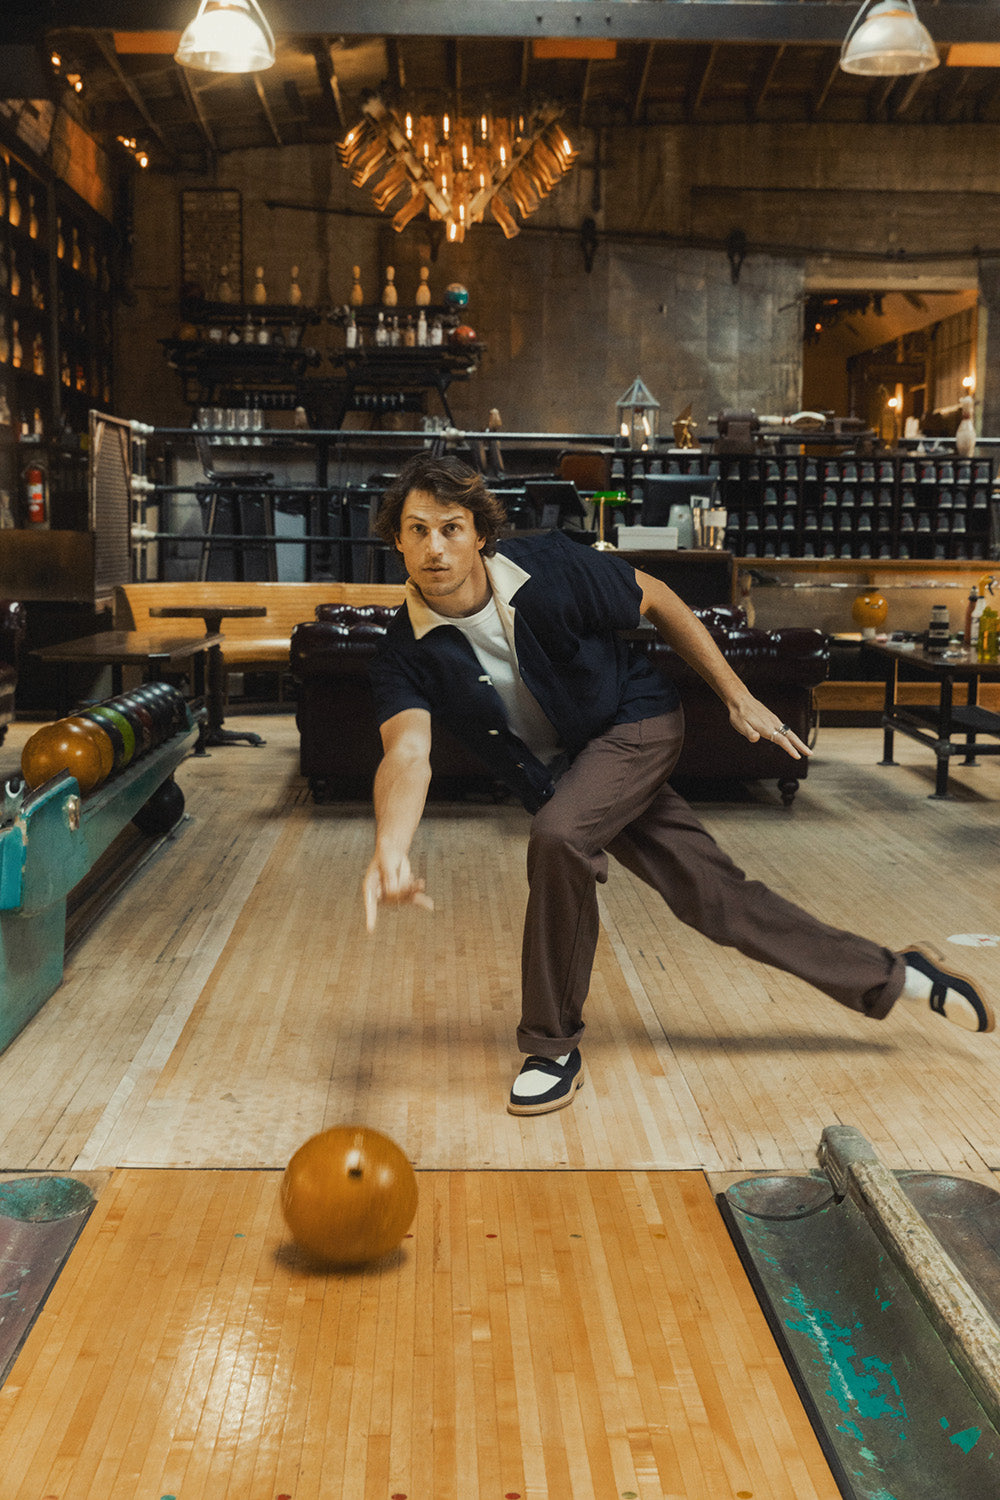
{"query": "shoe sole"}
(553, 1105)
(937, 957)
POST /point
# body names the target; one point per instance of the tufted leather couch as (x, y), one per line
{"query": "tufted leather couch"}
(340, 747)
(12, 628)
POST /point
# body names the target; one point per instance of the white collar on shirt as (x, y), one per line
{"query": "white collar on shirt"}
(505, 577)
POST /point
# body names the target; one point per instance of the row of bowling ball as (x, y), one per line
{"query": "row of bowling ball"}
(99, 742)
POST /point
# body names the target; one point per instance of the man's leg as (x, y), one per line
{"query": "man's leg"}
(669, 849)
(608, 786)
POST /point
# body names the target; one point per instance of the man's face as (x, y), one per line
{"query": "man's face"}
(441, 549)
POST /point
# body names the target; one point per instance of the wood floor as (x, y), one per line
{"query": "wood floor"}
(228, 1004)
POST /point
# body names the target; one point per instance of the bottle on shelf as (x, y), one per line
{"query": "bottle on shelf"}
(409, 334)
(381, 332)
(988, 644)
(390, 296)
(421, 329)
(6, 512)
(351, 331)
(437, 333)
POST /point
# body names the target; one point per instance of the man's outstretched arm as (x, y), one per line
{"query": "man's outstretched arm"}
(681, 629)
(400, 791)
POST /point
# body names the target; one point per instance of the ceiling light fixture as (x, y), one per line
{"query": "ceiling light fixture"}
(227, 36)
(886, 40)
(456, 164)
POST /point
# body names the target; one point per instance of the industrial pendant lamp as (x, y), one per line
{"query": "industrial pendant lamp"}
(888, 39)
(227, 36)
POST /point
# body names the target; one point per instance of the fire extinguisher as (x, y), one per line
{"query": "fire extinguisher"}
(36, 483)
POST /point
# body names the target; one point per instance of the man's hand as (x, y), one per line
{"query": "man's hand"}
(755, 721)
(390, 881)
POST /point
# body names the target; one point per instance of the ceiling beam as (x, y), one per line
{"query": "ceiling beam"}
(774, 21)
(755, 95)
(111, 58)
(258, 87)
(195, 106)
(639, 103)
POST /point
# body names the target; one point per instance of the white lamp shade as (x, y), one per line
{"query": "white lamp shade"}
(890, 41)
(227, 36)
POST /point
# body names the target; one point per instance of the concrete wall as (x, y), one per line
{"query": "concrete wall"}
(660, 301)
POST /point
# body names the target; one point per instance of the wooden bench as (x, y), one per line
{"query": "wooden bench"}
(260, 643)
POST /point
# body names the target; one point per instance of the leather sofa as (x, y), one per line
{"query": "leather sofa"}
(340, 746)
(12, 628)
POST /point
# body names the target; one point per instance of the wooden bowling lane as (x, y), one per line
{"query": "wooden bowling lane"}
(542, 1335)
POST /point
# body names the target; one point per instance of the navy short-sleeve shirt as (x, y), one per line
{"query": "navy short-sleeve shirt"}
(568, 604)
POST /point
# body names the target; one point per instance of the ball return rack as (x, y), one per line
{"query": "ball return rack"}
(49, 840)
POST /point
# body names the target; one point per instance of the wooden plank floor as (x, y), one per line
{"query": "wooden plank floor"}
(228, 1003)
(543, 1335)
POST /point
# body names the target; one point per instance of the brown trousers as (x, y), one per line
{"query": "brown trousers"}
(614, 799)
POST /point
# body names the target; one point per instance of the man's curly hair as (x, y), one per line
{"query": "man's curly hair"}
(451, 482)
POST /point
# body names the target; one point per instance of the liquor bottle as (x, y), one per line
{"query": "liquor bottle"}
(409, 334)
(422, 330)
(437, 333)
(351, 331)
(381, 332)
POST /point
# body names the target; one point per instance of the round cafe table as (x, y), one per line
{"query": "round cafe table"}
(215, 675)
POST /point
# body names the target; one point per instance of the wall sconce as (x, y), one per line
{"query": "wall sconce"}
(638, 417)
(227, 36)
(888, 39)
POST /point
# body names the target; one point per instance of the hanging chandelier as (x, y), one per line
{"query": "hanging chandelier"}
(455, 164)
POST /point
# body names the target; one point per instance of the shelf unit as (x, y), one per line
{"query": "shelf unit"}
(56, 333)
(260, 355)
(891, 507)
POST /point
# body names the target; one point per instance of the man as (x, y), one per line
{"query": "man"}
(516, 646)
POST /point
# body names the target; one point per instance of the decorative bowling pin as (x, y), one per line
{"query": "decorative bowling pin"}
(259, 289)
(357, 295)
(294, 290)
(423, 290)
(965, 435)
(224, 292)
(389, 293)
(14, 208)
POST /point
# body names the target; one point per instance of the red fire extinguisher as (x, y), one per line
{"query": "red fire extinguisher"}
(36, 483)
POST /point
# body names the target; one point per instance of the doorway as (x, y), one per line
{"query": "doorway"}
(899, 360)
